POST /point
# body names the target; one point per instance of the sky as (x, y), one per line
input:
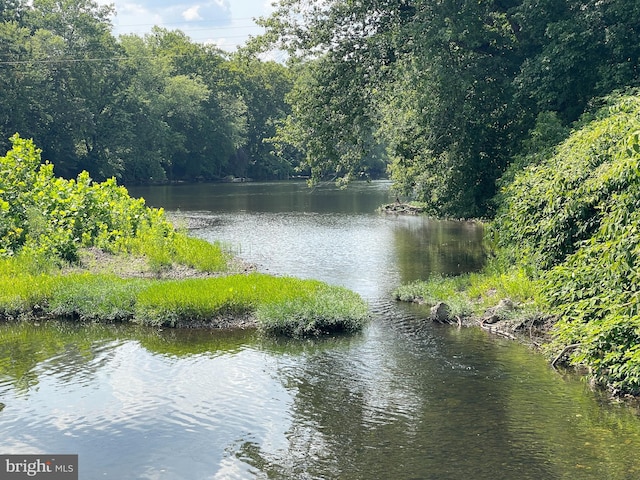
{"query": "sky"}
(225, 23)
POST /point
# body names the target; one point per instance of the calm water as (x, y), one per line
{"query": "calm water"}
(404, 399)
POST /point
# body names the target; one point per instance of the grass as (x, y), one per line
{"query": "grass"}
(275, 305)
(473, 294)
(91, 297)
(162, 249)
(280, 305)
(320, 308)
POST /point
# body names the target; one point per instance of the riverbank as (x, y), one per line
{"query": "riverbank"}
(507, 303)
(566, 226)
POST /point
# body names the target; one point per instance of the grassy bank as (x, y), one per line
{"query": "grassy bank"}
(87, 251)
(475, 299)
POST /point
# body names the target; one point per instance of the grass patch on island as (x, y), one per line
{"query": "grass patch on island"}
(273, 305)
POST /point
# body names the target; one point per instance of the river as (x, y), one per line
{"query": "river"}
(403, 399)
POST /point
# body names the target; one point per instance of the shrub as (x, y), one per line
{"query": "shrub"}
(50, 216)
(576, 220)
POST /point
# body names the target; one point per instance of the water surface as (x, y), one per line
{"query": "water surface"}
(403, 399)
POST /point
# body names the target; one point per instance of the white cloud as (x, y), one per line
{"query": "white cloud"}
(192, 13)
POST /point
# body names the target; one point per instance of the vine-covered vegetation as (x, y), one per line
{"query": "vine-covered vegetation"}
(47, 223)
(566, 244)
(574, 221)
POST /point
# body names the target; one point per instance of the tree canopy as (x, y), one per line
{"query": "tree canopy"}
(144, 109)
(450, 90)
(450, 97)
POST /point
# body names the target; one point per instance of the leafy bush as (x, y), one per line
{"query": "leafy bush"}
(49, 216)
(552, 207)
(576, 219)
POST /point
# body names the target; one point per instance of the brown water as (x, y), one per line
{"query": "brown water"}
(403, 399)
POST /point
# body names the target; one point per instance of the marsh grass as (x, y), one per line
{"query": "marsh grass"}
(23, 294)
(163, 248)
(321, 309)
(275, 305)
(91, 297)
(201, 254)
(173, 302)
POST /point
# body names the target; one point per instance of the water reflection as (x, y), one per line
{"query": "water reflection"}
(423, 246)
(273, 197)
(403, 397)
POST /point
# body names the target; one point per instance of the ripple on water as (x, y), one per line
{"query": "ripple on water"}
(133, 398)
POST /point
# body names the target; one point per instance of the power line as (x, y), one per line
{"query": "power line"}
(50, 61)
(88, 60)
(213, 27)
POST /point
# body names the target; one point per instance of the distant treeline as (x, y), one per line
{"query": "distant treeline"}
(145, 109)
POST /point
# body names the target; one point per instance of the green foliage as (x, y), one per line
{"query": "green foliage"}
(574, 218)
(451, 90)
(49, 216)
(335, 145)
(552, 208)
(89, 98)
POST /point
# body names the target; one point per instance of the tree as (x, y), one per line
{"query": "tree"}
(452, 87)
(75, 85)
(262, 87)
(12, 10)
